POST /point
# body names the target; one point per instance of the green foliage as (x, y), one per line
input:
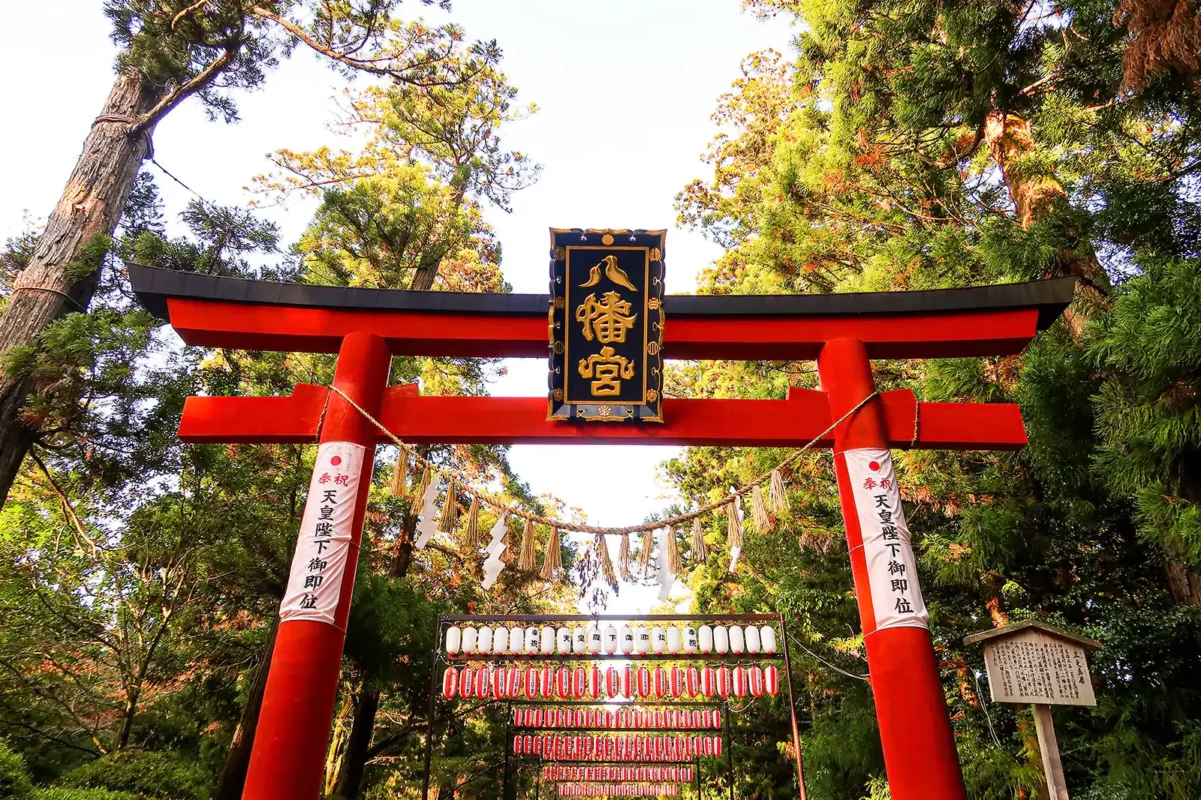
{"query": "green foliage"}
(14, 778)
(58, 793)
(145, 774)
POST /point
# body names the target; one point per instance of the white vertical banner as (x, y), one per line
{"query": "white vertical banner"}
(323, 545)
(891, 568)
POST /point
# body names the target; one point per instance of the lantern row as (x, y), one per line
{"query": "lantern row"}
(618, 790)
(620, 719)
(571, 772)
(611, 639)
(554, 747)
(629, 682)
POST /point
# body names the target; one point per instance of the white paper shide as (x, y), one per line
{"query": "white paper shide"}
(891, 569)
(323, 547)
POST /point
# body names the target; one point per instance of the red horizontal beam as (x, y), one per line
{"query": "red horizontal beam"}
(248, 326)
(522, 420)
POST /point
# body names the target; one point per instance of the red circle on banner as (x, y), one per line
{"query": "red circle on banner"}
(875, 465)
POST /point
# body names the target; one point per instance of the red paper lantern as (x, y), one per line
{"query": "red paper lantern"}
(755, 680)
(579, 685)
(723, 681)
(644, 682)
(738, 682)
(708, 684)
(612, 681)
(717, 746)
(513, 682)
(466, 682)
(771, 679)
(692, 682)
(629, 683)
(531, 682)
(563, 682)
(676, 682)
(546, 681)
(596, 682)
(450, 682)
(483, 682)
(659, 682)
(517, 745)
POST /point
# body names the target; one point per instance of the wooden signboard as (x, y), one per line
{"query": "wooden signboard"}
(1032, 662)
(1031, 666)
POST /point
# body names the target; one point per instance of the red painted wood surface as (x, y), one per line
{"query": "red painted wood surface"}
(247, 326)
(915, 729)
(522, 420)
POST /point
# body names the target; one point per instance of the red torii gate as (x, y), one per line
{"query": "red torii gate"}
(366, 327)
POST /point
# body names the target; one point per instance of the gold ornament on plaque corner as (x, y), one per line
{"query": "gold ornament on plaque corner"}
(607, 239)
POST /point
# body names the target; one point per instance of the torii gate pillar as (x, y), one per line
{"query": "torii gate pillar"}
(915, 731)
(288, 756)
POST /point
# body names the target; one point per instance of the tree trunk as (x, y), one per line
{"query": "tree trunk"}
(237, 760)
(431, 257)
(354, 761)
(1037, 195)
(53, 284)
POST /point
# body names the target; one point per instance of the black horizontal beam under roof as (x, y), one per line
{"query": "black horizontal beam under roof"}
(154, 285)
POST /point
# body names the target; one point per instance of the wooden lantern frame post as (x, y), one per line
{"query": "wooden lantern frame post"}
(843, 333)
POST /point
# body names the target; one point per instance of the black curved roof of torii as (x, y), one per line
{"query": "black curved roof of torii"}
(154, 285)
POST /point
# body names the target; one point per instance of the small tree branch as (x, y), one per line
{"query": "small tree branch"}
(186, 90)
(68, 509)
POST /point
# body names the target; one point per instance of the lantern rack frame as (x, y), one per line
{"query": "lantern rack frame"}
(445, 620)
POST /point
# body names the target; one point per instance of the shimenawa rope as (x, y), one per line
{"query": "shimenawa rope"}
(670, 522)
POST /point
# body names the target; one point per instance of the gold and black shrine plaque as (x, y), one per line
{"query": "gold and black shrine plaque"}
(606, 325)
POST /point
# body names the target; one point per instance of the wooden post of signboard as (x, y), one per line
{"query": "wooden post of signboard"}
(1032, 662)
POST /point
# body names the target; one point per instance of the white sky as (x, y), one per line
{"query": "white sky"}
(624, 90)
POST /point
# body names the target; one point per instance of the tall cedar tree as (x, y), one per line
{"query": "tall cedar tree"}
(173, 50)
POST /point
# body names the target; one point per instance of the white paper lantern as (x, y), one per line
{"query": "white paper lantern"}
(454, 639)
(704, 639)
(673, 639)
(642, 640)
(563, 641)
(579, 640)
(626, 635)
(721, 640)
(546, 640)
(689, 639)
(595, 640)
(752, 639)
(469, 637)
(532, 638)
(610, 639)
(516, 640)
(500, 640)
(767, 637)
(737, 641)
(658, 639)
(484, 642)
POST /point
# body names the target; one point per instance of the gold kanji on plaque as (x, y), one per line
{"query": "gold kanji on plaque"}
(609, 370)
(606, 320)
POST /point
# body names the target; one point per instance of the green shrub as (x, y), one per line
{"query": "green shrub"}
(164, 776)
(14, 779)
(60, 793)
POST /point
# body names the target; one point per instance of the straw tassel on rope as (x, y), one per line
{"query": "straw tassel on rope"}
(400, 474)
(418, 503)
(606, 563)
(471, 535)
(450, 509)
(624, 557)
(648, 544)
(759, 510)
(777, 495)
(554, 557)
(734, 533)
(674, 564)
(529, 560)
(700, 553)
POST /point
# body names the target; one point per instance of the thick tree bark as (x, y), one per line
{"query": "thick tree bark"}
(50, 287)
(1037, 195)
(237, 760)
(355, 759)
(358, 748)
